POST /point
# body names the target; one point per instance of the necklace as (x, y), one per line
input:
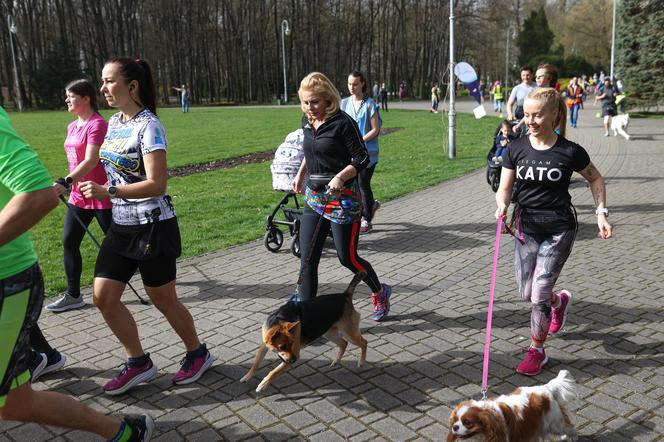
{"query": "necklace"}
(357, 109)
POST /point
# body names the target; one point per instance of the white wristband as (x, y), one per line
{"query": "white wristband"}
(604, 211)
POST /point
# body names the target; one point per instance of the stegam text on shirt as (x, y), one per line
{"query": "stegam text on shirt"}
(125, 145)
(543, 176)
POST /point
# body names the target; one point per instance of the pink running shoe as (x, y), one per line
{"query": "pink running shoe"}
(559, 315)
(130, 377)
(381, 303)
(193, 368)
(533, 362)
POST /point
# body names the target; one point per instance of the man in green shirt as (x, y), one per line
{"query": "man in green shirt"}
(26, 196)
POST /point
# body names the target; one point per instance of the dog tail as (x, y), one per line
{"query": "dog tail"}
(563, 388)
(359, 276)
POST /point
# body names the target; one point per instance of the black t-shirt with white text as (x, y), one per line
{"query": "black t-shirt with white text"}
(542, 180)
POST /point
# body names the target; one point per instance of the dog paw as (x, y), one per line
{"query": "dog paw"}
(262, 386)
(246, 377)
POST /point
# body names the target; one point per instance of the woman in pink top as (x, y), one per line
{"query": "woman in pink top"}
(85, 135)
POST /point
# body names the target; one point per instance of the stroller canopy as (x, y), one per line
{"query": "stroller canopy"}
(287, 161)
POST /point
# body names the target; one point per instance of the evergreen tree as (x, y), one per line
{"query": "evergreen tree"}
(48, 81)
(639, 51)
(535, 38)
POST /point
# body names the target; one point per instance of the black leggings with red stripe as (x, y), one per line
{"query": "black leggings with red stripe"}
(345, 241)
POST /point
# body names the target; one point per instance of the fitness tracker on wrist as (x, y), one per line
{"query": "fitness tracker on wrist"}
(112, 191)
(604, 211)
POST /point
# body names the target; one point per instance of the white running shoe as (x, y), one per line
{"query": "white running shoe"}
(66, 302)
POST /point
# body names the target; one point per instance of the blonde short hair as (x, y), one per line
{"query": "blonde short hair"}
(553, 100)
(319, 84)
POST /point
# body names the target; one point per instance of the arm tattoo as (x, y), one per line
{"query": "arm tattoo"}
(597, 197)
(591, 170)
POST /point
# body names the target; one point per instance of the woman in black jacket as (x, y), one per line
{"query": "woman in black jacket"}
(333, 155)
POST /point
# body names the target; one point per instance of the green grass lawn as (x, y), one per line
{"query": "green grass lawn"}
(228, 206)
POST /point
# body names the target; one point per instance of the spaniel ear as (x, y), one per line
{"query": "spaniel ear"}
(453, 418)
(494, 429)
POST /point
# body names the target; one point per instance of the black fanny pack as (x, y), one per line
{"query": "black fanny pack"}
(547, 221)
(318, 181)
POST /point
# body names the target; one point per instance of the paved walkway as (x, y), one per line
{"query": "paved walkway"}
(435, 248)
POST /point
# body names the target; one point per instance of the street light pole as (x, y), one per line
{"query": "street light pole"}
(507, 57)
(613, 40)
(12, 31)
(452, 112)
(510, 32)
(285, 30)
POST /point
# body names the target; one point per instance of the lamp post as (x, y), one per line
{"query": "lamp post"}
(613, 40)
(12, 31)
(452, 112)
(510, 32)
(285, 30)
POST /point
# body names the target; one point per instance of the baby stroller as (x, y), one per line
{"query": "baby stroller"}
(494, 167)
(287, 161)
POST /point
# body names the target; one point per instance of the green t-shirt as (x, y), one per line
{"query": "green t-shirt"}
(20, 171)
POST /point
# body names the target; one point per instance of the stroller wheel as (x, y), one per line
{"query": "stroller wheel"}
(295, 245)
(488, 175)
(273, 240)
(495, 182)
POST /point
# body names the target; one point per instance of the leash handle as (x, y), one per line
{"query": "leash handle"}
(492, 289)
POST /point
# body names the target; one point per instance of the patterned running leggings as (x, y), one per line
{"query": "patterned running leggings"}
(537, 265)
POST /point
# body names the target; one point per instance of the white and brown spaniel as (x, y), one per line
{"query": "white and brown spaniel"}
(528, 414)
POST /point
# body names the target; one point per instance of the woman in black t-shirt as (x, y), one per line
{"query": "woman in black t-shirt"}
(542, 165)
(334, 153)
(609, 108)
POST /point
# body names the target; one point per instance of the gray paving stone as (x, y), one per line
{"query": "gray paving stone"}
(258, 417)
(393, 430)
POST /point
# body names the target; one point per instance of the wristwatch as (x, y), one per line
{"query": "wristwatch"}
(112, 191)
(605, 211)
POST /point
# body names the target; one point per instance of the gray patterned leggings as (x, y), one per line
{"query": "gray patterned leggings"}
(537, 265)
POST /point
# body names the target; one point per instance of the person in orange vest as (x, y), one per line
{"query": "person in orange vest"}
(574, 100)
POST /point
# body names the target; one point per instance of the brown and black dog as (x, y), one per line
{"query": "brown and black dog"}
(297, 324)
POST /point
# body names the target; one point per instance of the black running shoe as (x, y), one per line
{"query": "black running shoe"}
(141, 426)
(37, 366)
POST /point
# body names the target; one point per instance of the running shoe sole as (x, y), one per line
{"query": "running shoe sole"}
(39, 369)
(207, 364)
(54, 367)
(138, 379)
(149, 427)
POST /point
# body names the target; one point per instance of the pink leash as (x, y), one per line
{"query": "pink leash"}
(487, 341)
